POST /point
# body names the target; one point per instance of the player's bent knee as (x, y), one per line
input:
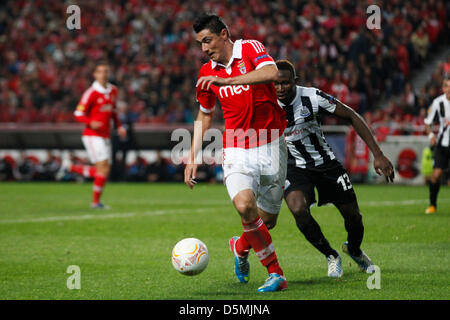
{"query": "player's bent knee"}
(246, 207)
(103, 167)
(300, 211)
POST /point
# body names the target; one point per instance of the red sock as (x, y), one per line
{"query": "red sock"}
(242, 246)
(86, 171)
(274, 267)
(258, 237)
(99, 183)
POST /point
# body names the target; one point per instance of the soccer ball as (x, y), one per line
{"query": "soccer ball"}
(190, 256)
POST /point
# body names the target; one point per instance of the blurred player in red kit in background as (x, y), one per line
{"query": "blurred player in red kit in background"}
(96, 109)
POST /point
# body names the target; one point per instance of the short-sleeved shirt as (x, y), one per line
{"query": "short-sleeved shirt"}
(440, 107)
(306, 143)
(97, 104)
(251, 112)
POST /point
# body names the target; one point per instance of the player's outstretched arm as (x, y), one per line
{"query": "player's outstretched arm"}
(265, 74)
(203, 123)
(381, 163)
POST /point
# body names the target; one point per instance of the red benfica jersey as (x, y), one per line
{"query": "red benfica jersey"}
(250, 112)
(98, 103)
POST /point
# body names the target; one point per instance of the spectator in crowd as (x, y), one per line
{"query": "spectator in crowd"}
(421, 43)
(26, 169)
(137, 172)
(49, 168)
(7, 165)
(159, 171)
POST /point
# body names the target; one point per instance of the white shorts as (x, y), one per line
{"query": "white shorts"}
(261, 169)
(98, 148)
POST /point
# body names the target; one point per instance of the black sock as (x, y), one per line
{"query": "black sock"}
(312, 232)
(355, 233)
(434, 190)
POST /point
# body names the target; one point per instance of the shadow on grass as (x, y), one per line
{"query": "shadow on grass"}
(241, 291)
(349, 276)
(235, 289)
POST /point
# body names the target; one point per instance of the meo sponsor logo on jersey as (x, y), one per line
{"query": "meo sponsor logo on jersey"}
(232, 90)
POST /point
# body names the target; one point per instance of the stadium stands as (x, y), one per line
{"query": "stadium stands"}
(155, 61)
(151, 48)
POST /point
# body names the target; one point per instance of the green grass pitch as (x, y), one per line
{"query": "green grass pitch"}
(124, 252)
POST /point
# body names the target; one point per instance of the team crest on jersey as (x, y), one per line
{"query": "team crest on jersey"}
(304, 112)
(99, 100)
(242, 68)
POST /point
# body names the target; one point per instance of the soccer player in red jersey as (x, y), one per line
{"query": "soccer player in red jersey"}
(96, 109)
(240, 75)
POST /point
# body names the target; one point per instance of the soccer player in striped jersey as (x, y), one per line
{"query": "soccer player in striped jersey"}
(96, 109)
(312, 164)
(440, 108)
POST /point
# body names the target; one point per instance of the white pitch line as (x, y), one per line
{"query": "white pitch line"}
(102, 216)
(163, 212)
(392, 203)
(397, 203)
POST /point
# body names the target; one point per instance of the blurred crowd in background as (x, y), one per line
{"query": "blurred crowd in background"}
(150, 45)
(405, 115)
(155, 60)
(28, 167)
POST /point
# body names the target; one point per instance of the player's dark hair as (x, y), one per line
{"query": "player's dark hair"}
(287, 65)
(101, 63)
(212, 22)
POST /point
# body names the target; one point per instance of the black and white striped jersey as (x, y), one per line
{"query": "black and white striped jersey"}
(440, 108)
(305, 140)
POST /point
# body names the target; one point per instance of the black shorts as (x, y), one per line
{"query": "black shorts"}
(332, 183)
(441, 157)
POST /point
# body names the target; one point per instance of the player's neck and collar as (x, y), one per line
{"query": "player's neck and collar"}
(236, 53)
(100, 88)
(290, 100)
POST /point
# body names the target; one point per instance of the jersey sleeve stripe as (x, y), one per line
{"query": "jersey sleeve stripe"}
(86, 95)
(260, 46)
(265, 63)
(254, 46)
(205, 110)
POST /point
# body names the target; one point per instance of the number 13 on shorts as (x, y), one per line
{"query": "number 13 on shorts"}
(344, 180)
